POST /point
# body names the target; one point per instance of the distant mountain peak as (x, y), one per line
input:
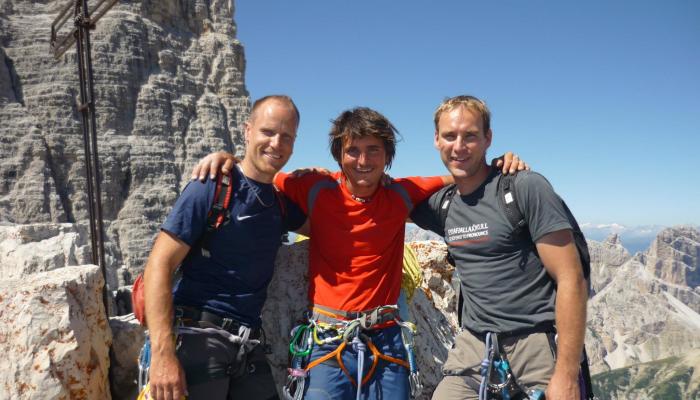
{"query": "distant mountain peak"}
(613, 239)
(674, 256)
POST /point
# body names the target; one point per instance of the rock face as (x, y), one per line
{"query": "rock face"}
(670, 378)
(606, 258)
(647, 310)
(32, 248)
(169, 87)
(54, 336)
(416, 234)
(674, 257)
(128, 337)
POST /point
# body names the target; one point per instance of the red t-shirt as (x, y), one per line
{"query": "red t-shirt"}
(356, 249)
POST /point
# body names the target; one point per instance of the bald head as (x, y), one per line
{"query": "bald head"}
(279, 100)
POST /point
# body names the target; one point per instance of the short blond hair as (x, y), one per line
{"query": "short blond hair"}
(282, 98)
(469, 102)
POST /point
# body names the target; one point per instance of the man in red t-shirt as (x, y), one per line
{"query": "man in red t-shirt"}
(355, 258)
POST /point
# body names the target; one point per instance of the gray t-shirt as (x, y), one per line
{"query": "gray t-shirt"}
(505, 286)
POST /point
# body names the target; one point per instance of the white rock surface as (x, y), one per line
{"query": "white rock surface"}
(127, 339)
(54, 336)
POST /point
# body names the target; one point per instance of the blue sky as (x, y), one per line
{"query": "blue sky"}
(601, 97)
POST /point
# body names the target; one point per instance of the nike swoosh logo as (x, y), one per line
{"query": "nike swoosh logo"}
(242, 217)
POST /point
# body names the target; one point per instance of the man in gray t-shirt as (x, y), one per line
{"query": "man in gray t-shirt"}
(509, 289)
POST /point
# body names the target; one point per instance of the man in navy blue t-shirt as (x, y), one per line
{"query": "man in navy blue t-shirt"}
(217, 303)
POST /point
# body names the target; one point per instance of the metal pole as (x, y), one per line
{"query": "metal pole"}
(95, 157)
(92, 162)
(84, 111)
(59, 45)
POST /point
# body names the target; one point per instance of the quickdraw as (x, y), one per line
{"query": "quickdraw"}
(300, 348)
(346, 332)
(504, 386)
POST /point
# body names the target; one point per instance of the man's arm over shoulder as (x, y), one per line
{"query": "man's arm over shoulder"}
(420, 188)
(428, 215)
(560, 257)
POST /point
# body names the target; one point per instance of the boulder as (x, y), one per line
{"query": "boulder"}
(55, 336)
(127, 339)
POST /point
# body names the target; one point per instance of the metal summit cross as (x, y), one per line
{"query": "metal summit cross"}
(84, 20)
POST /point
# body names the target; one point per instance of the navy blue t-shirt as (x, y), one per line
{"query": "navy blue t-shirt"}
(233, 282)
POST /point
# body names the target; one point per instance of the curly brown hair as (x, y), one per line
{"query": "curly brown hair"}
(362, 122)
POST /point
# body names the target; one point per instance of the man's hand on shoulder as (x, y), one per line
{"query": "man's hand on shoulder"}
(509, 163)
(167, 378)
(299, 172)
(212, 164)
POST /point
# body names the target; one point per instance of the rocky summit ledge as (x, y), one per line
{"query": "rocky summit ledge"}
(54, 336)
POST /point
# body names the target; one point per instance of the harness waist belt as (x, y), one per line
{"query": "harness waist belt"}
(195, 317)
(382, 315)
(544, 327)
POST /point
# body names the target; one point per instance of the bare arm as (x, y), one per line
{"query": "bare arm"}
(167, 379)
(560, 257)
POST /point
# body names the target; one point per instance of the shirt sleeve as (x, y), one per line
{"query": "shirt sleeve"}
(188, 218)
(420, 188)
(542, 208)
(427, 214)
(297, 188)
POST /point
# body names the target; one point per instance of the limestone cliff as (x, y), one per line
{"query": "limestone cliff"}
(606, 258)
(169, 86)
(647, 310)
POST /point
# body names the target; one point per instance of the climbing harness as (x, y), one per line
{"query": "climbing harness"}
(347, 328)
(189, 317)
(497, 378)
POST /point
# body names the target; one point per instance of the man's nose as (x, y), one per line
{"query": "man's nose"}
(275, 141)
(460, 143)
(362, 158)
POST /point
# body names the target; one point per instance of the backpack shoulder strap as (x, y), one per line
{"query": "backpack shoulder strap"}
(219, 213)
(509, 203)
(445, 197)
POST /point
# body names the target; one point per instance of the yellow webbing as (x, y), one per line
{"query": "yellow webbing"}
(412, 275)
